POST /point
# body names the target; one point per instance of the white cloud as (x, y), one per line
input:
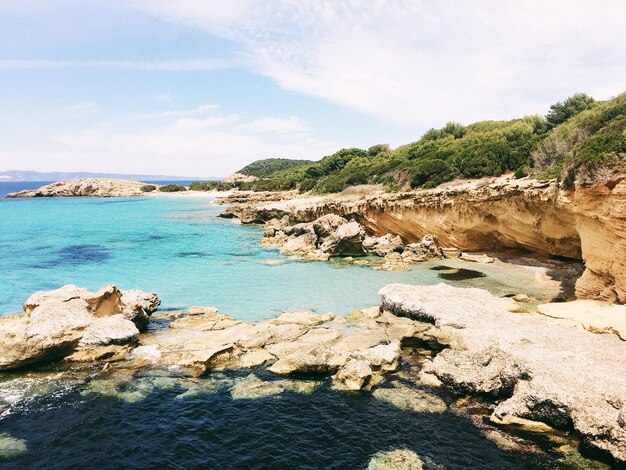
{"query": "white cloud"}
(419, 63)
(199, 142)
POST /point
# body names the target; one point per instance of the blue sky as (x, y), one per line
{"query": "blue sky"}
(201, 88)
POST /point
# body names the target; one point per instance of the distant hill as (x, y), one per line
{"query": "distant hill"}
(27, 175)
(270, 166)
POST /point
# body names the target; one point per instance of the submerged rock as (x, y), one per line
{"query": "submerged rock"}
(401, 459)
(11, 447)
(410, 399)
(252, 387)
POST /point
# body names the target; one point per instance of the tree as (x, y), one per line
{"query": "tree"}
(378, 148)
(563, 110)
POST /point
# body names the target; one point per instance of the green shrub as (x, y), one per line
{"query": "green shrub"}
(563, 110)
(377, 149)
(147, 188)
(172, 188)
(430, 173)
(521, 172)
(204, 185)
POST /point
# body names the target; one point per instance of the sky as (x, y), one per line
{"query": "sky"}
(201, 88)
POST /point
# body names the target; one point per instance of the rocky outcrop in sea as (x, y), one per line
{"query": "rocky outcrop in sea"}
(85, 187)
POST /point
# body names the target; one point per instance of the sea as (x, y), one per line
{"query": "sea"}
(179, 248)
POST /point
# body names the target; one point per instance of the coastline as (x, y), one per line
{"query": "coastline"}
(346, 226)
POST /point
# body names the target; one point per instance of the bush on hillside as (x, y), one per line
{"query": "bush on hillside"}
(563, 110)
(147, 188)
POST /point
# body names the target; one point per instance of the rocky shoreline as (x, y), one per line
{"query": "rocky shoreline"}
(529, 365)
(583, 223)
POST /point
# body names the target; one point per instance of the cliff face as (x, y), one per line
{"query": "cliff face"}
(583, 223)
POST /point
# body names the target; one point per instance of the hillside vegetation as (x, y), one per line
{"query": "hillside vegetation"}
(270, 166)
(578, 140)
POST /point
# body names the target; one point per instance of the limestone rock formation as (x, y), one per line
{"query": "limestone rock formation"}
(57, 323)
(541, 369)
(85, 187)
(587, 223)
(382, 246)
(347, 240)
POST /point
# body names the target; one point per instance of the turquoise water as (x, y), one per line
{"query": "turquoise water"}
(179, 248)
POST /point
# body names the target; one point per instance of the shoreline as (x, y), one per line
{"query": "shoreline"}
(528, 363)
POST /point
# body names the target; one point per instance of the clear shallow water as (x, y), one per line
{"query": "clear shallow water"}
(179, 248)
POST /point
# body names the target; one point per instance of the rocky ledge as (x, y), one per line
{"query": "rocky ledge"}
(537, 368)
(86, 187)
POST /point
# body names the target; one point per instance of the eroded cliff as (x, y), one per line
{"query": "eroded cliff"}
(490, 214)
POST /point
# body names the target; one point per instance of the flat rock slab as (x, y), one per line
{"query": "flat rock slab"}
(544, 370)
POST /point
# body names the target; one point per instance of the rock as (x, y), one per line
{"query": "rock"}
(354, 375)
(426, 249)
(451, 253)
(109, 330)
(196, 310)
(300, 245)
(57, 322)
(311, 361)
(278, 224)
(109, 353)
(382, 356)
(85, 187)
(327, 225)
(395, 262)
(128, 388)
(347, 240)
(302, 318)
(237, 178)
(399, 459)
(382, 246)
(210, 320)
(300, 229)
(476, 258)
(410, 399)
(11, 447)
(138, 306)
(583, 222)
(543, 369)
(251, 387)
(592, 315)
